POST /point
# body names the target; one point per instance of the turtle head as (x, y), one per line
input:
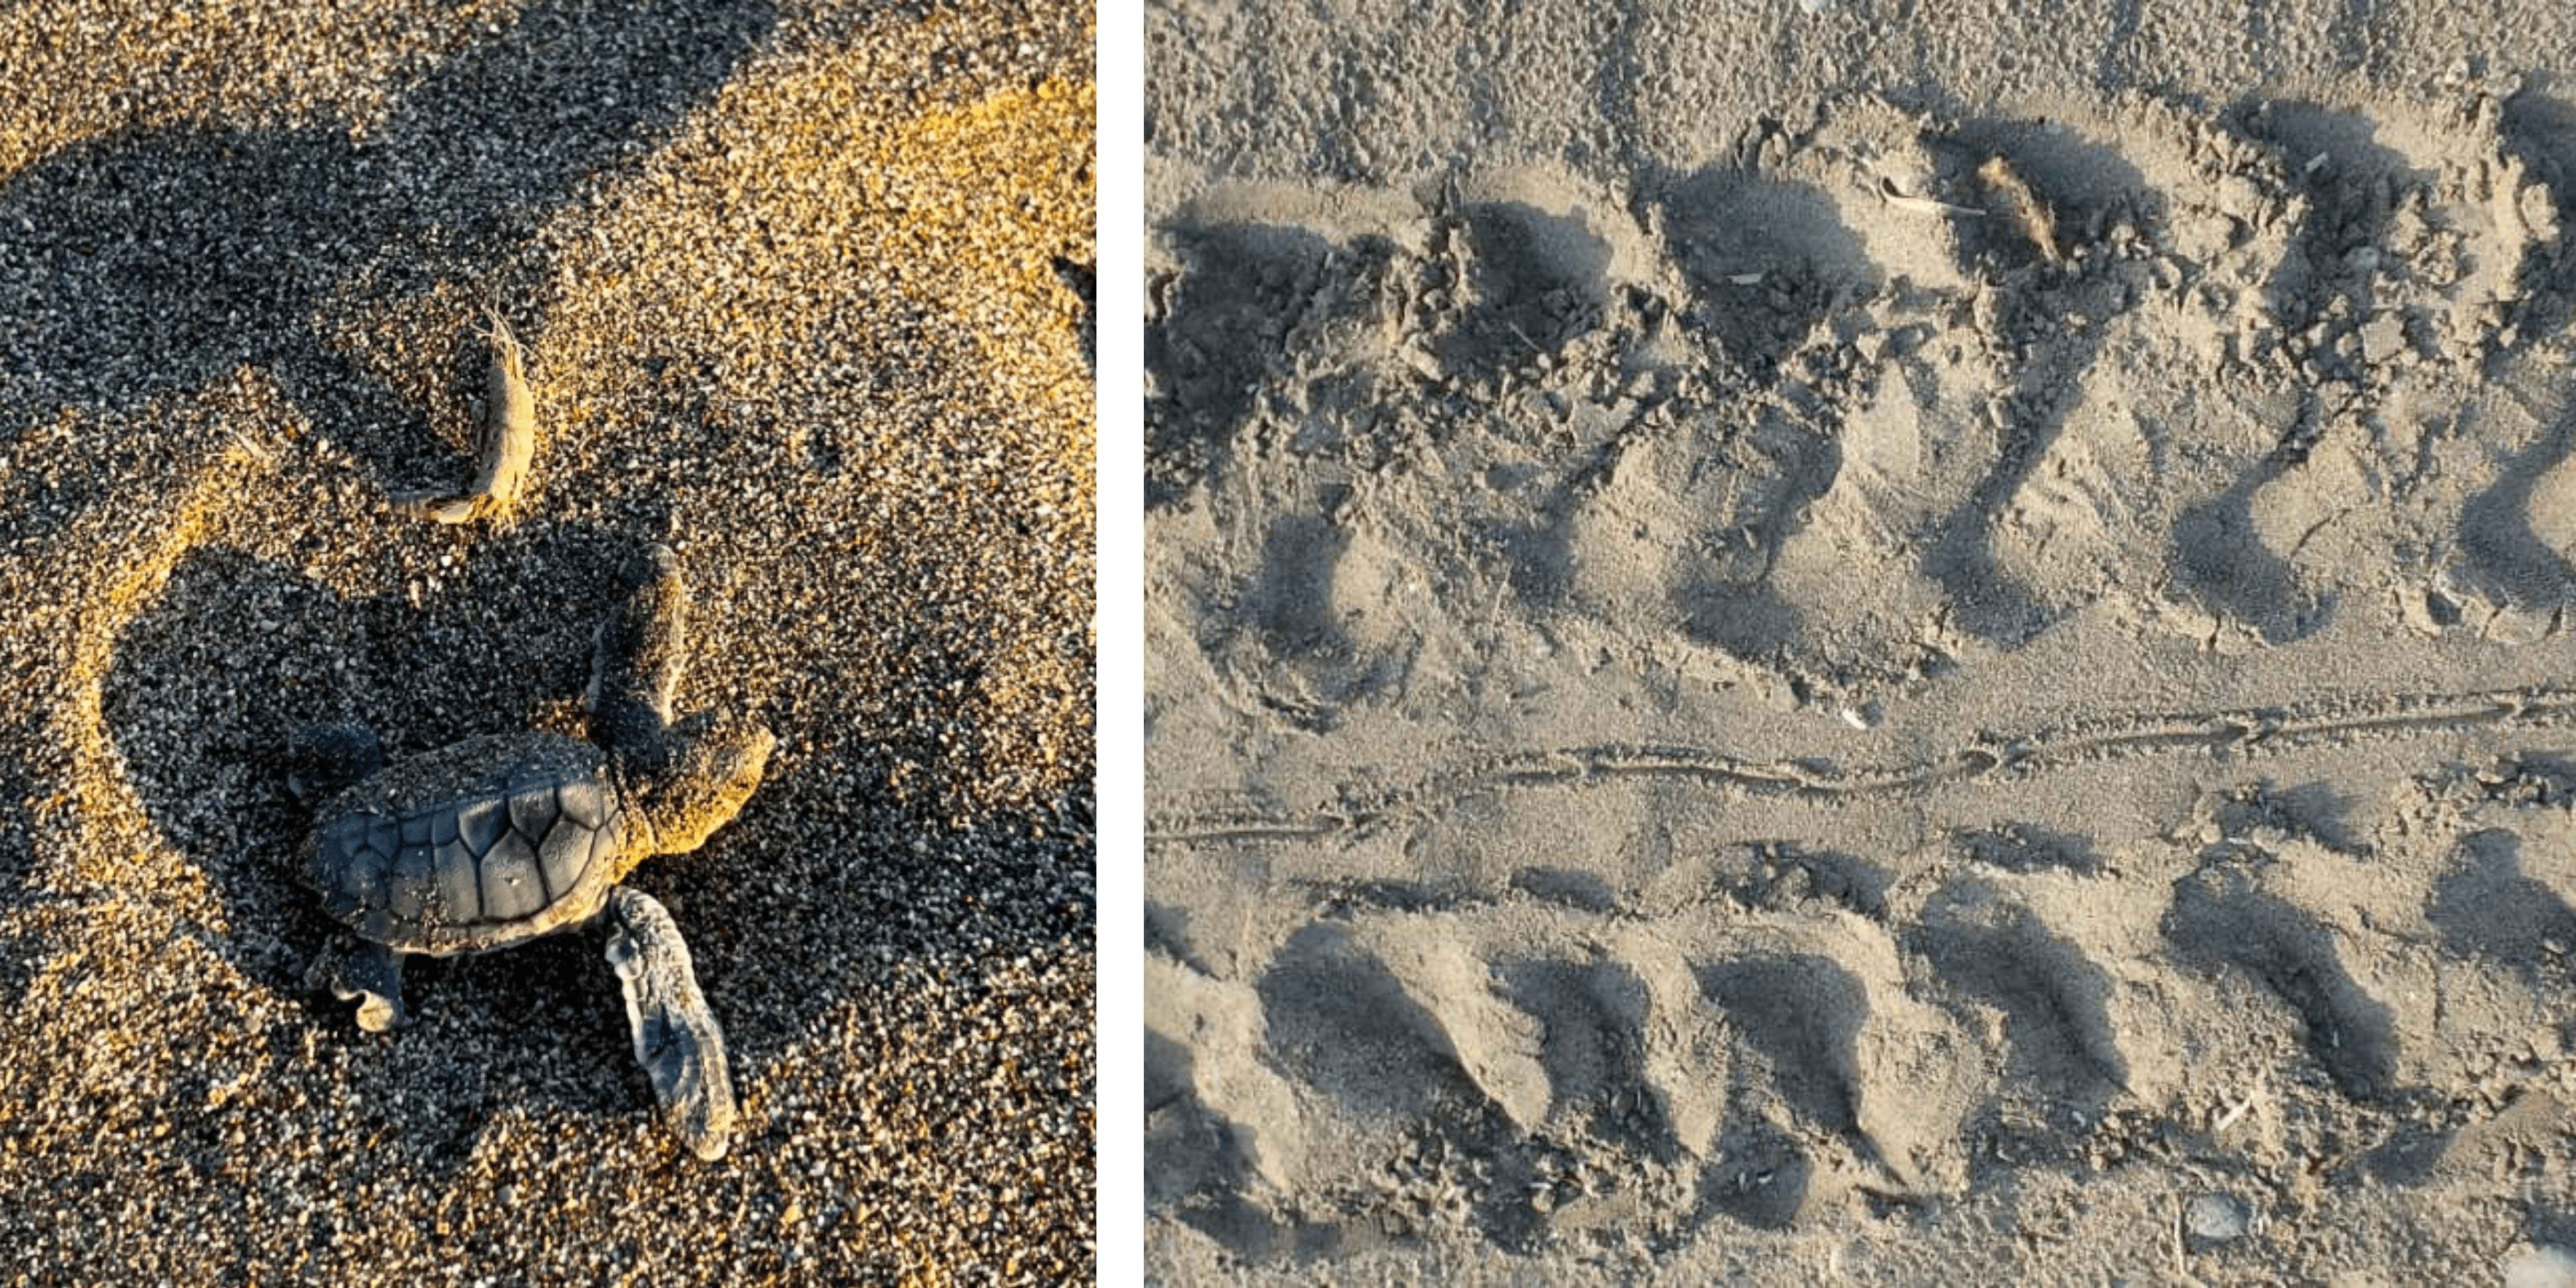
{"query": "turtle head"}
(693, 778)
(322, 760)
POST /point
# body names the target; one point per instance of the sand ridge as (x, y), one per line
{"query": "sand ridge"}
(1935, 694)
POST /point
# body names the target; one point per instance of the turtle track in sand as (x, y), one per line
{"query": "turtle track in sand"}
(1758, 1031)
(1919, 665)
(2242, 735)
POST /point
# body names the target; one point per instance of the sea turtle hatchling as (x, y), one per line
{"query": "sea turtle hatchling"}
(496, 840)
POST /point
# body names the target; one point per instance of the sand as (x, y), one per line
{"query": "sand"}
(806, 294)
(1896, 644)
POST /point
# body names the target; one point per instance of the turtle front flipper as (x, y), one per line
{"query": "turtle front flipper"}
(636, 653)
(676, 1038)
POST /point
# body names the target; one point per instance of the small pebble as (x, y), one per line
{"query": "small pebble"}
(2540, 1266)
(2218, 1218)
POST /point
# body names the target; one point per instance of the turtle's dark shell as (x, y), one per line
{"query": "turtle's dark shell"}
(477, 845)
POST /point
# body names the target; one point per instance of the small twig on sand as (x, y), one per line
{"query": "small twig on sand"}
(508, 441)
(2181, 1254)
(1903, 200)
(2234, 1112)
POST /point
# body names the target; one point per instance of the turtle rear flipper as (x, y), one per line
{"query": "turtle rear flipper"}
(369, 974)
(676, 1038)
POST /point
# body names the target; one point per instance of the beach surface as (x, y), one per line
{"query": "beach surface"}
(1861, 642)
(805, 291)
